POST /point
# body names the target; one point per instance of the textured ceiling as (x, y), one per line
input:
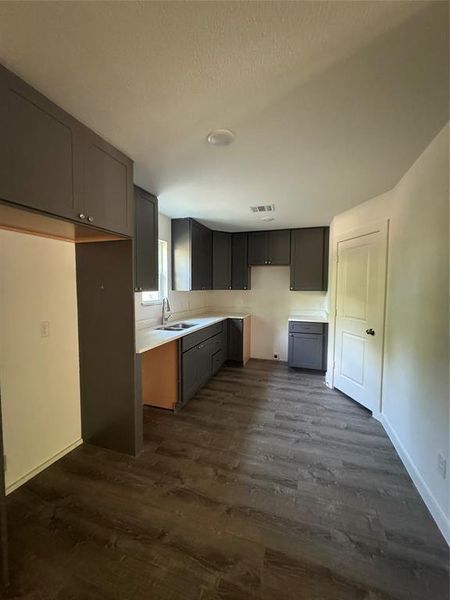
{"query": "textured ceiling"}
(330, 101)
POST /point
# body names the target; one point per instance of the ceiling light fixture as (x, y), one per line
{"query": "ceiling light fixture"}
(220, 137)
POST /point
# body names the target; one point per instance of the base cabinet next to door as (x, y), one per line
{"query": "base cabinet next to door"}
(307, 347)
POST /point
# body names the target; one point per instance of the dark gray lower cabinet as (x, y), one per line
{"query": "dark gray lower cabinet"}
(196, 369)
(307, 345)
(235, 334)
(202, 353)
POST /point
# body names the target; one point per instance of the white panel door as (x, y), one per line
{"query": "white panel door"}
(359, 318)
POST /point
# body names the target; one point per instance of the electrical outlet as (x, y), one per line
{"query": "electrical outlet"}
(45, 328)
(442, 466)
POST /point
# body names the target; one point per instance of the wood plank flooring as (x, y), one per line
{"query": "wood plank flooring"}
(267, 485)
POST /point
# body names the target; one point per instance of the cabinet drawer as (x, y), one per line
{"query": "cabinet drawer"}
(306, 327)
(217, 342)
(193, 339)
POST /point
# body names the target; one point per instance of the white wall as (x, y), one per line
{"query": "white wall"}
(39, 376)
(270, 302)
(415, 400)
(180, 302)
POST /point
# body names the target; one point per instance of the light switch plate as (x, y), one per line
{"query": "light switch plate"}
(45, 328)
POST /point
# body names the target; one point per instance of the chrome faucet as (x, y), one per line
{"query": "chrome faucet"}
(165, 310)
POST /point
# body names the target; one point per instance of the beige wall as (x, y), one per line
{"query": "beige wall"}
(39, 376)
(270, 302)
(415, 400)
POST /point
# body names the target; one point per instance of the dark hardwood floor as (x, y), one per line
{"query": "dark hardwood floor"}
(266, 486)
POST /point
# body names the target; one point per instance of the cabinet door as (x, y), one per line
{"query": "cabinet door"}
(5, 155)
(43, 144)
(196, 369)
(279, 247)
(257, 248)
(309, 259)
(190, 374)
(306, 351)
(240, 272)
(201, 251)
(146, 241)
(221, 260)
(108, 186)
(235, 340)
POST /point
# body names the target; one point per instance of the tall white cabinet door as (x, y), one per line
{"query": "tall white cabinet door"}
(360, 318)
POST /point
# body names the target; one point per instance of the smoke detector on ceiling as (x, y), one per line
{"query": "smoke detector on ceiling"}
(220, 137)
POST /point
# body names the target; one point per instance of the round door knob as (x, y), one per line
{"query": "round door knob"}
(82, 216)
(370, 331)
(90, 219)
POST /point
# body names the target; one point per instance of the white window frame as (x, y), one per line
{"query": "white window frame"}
(151, 298)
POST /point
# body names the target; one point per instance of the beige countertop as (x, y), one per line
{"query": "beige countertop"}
(320, 316)
(150, 337)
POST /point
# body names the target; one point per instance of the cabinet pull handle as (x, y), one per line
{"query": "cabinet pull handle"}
(82, 216)
(90, 219)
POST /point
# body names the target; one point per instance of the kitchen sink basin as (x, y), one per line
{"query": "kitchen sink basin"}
(176, 327)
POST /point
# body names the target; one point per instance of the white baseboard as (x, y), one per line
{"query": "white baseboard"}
(16, 484)
(442, 521)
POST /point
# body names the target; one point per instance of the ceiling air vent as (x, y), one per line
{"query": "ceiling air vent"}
(263, 208)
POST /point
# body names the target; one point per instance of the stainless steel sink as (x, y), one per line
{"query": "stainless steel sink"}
(176, 327)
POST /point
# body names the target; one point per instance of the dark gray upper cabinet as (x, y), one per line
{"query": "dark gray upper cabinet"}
(53, 163)
(240, 272)
(43, 151)
(146, 241)
(108, 186)
(221, 260)
(257, 248)
(279, 247)
(309, 259)
(269, 247)
(191, 255)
